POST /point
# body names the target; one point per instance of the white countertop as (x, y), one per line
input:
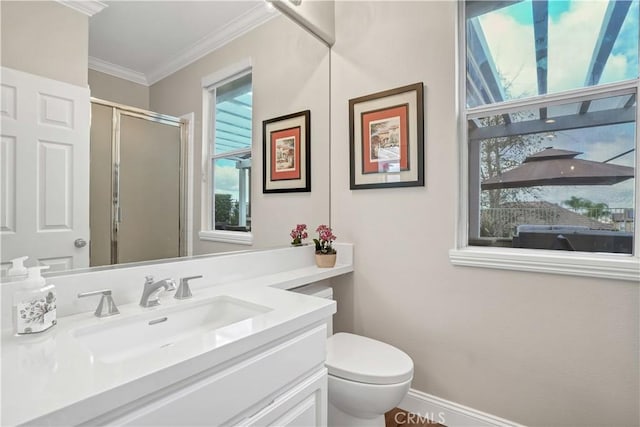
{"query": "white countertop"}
(55, 377)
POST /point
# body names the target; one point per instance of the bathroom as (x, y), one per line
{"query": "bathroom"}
(518, 342)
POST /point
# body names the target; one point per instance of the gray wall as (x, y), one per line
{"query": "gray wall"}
(290, 74)
(533, 348)
(114, 89)
(45, 38)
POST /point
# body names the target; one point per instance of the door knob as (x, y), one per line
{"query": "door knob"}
(80, 243)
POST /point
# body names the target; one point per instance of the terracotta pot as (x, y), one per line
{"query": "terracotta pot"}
(325, 260)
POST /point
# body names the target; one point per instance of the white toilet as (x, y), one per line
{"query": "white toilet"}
(366, 377)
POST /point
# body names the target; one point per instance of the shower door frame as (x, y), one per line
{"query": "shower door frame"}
(118, 110)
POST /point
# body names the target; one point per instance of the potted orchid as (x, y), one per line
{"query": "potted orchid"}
(298, 234)
(325, 252)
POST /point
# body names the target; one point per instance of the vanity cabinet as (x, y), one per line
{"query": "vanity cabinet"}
(283, 383)
(304, 405)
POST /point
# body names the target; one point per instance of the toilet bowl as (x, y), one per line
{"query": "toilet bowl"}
(367, 378)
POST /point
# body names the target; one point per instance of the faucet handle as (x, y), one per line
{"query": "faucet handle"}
(106, 306)
(171, 284)
(184, 291)
(148, 279)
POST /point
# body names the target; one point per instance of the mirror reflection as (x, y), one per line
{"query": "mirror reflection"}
(135, 198)
(156, 189)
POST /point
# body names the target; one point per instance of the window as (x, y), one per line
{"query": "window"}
(549, 134)
(227, 153)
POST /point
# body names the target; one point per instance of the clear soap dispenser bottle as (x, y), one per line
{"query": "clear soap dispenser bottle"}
(34, 304)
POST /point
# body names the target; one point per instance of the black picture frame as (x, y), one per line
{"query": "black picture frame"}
(386, 138)
(286, 153)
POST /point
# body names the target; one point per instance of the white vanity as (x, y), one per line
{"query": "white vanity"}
(240, 352)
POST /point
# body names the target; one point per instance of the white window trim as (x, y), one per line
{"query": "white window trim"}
(206, 233)
(224, 236)
(597, 265)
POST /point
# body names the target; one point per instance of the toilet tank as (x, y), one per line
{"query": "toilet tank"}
(320, 291)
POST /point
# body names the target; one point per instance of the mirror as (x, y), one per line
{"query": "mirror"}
(290, 70)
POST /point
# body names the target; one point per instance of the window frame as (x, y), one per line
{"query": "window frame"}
(207, 220)
(599, 265)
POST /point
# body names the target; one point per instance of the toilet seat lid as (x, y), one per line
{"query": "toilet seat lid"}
(357, 358)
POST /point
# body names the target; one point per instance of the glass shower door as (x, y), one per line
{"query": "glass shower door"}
(148, 215)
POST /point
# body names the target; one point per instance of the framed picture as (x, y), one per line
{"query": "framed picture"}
(286, 159)
(386, 136)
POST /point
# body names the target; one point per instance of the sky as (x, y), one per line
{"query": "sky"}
(573, 30)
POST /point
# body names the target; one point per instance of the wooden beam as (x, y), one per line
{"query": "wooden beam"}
(630, 101)
(540, 11)
(576, 121)
(611, 24)
(475, 8)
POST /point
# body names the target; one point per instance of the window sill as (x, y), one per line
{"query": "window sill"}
(235, 237)
(606, 266)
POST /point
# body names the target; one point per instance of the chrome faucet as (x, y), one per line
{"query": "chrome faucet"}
(106, 307)
(152, 289)
(184, 291)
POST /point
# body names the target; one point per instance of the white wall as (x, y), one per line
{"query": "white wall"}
(290, 74)
(532, 348)
(45, 38)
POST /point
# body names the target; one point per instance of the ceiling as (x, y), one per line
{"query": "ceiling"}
(145, 41)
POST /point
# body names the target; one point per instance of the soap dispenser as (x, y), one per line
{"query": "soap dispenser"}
(17, 271)
(34, 304)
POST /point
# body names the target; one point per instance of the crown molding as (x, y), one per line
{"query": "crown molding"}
(102, 66)
(87, 7)
(246, 22)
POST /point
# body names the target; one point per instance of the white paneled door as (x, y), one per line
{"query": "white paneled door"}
(44, 171)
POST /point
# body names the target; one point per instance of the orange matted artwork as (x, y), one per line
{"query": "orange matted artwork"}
(285, 154)
(286, 158)
(385, 140)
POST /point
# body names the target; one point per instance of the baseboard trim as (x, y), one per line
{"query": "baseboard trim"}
(450, 413)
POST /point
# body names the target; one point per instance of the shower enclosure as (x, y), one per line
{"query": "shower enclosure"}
(137, 191)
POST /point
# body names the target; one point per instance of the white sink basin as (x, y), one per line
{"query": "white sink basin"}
(120, 339)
